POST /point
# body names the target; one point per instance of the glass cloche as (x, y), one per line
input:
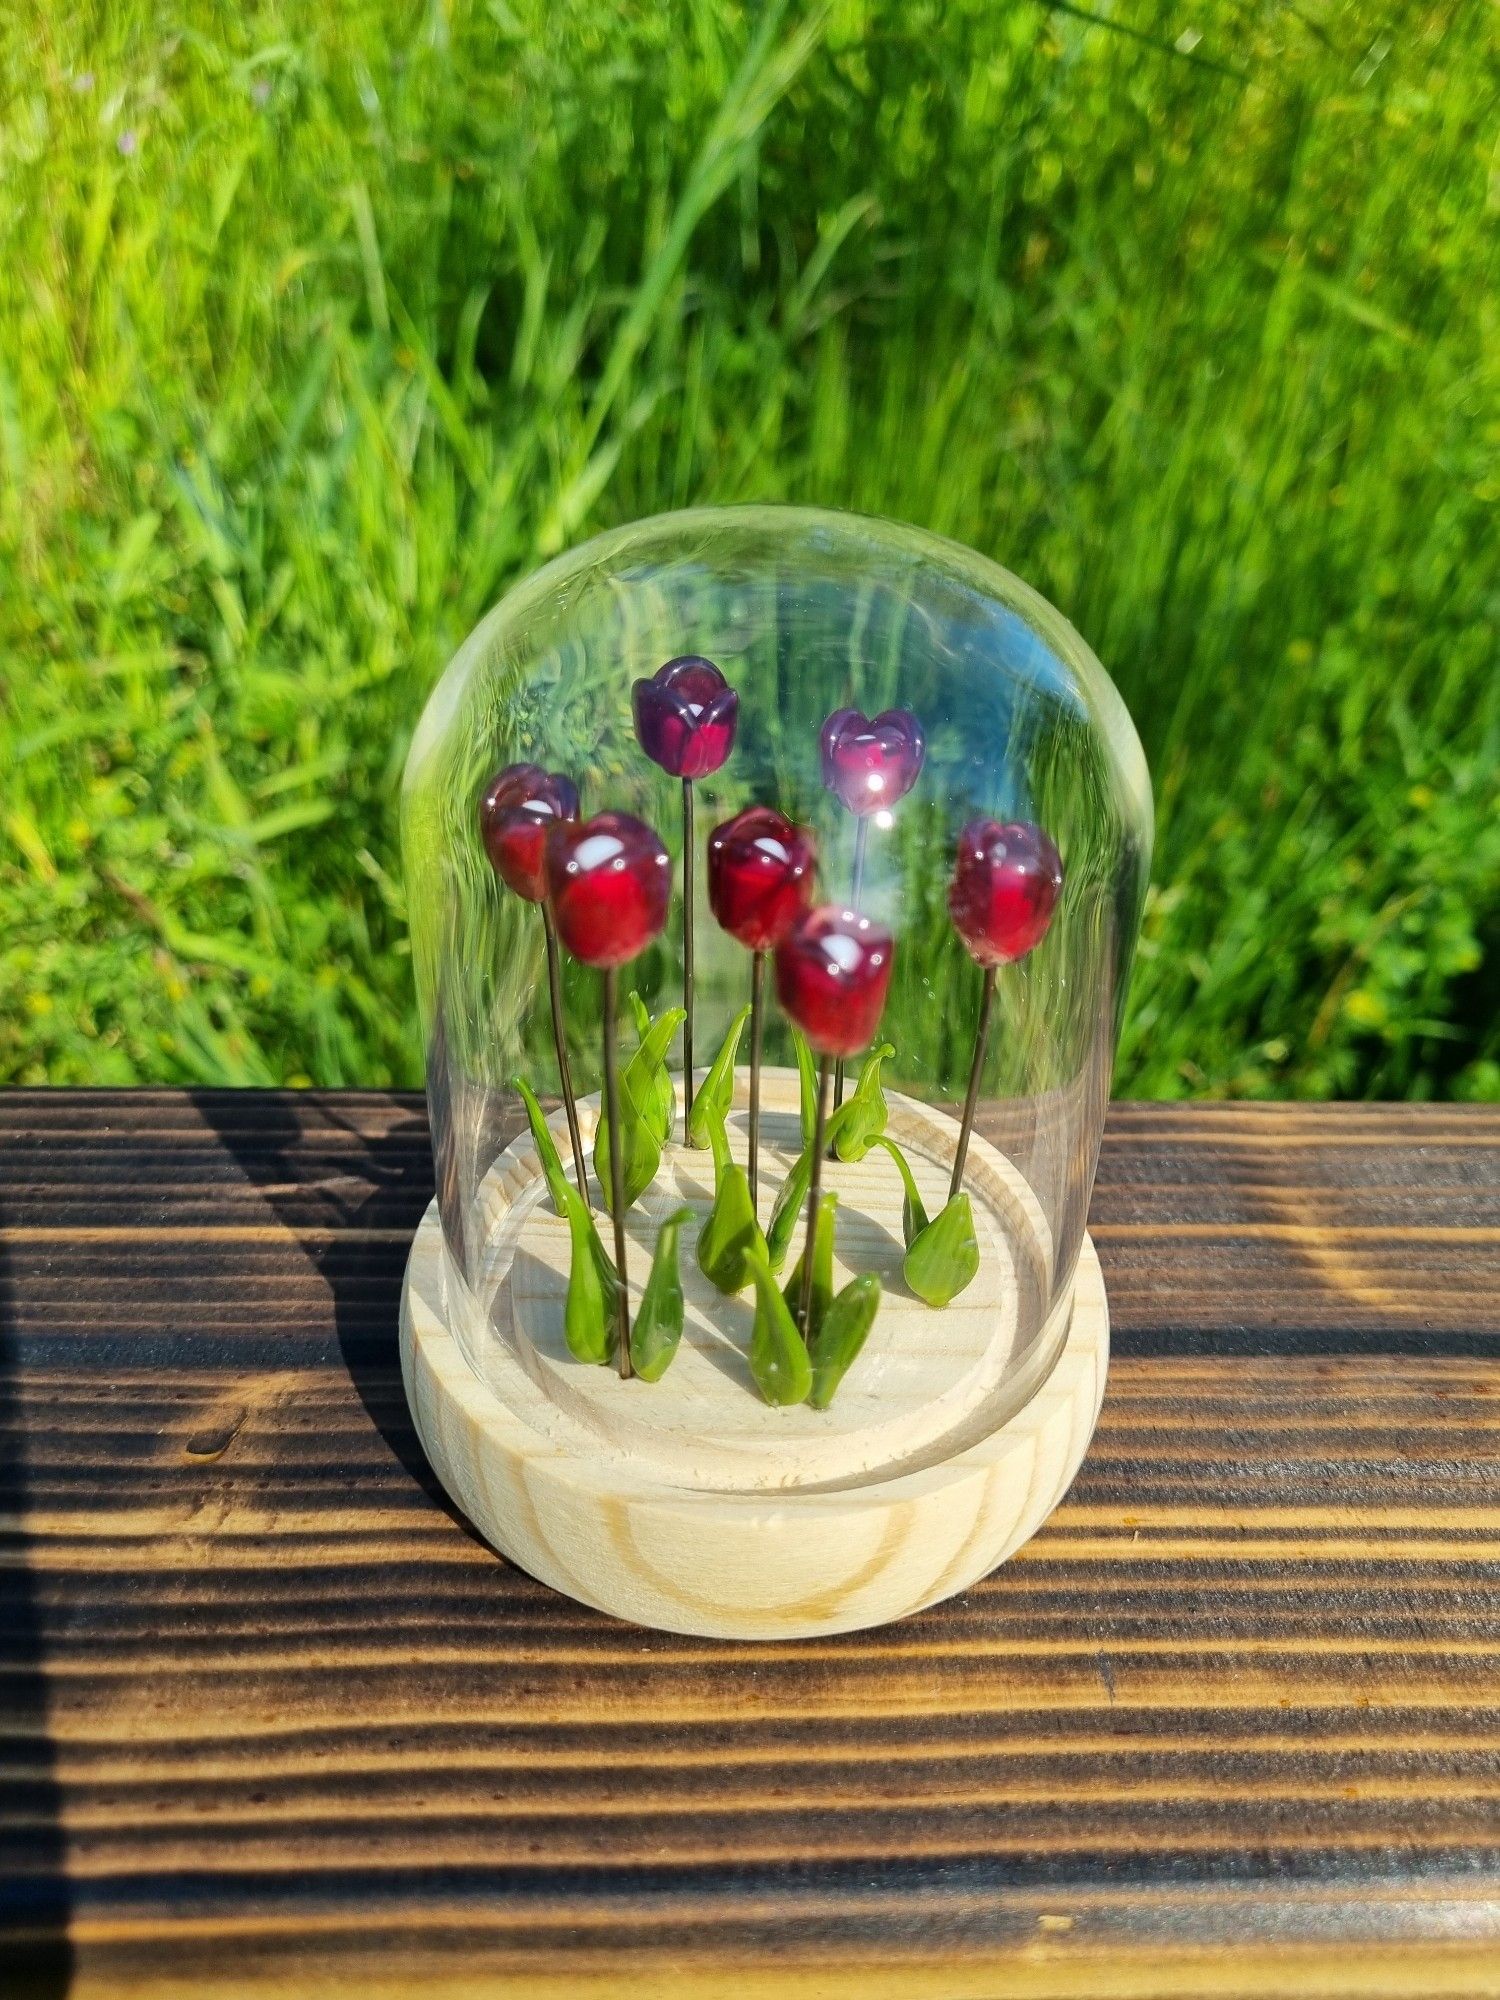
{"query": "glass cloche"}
(779, 871)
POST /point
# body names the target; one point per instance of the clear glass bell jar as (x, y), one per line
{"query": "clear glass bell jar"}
(965, 780)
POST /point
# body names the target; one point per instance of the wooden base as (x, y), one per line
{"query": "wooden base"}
(691, 1505)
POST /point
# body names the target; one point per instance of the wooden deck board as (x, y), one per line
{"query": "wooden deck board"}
(271, 1719)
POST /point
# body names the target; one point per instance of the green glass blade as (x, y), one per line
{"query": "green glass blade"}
(730, 1233)
(790, 1204)
(589, 1317)
(822, 1267)
(945, 1256)
(657, 1330)
(807, 1086)
(913, 1212)
(844, 1331)
(862, 1118)
(647, 1079)
(714, 1096)
(778, 1359)
(541, 1134)
(642, 1132)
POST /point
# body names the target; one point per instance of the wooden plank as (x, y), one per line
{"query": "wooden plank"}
(270, 1716)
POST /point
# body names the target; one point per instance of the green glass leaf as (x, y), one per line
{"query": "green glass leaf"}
(792, 1200)
(645, 1114)
(862, 1116)
(778, 1359)
(591, 1277)
(640, 1014)
(790, 1205)
(640, 1154)
(730, 1233)
(647, 1077)
(646, 1106)
(945, 1256)
(715, 1094)
(731, 1230)
(718, 1139)
(565, 1197)
(913, 1211)
(845, 1329)
(807, 1082)
(557, 1181)
(658, 1320)
(822, 1282)
(590, 1325)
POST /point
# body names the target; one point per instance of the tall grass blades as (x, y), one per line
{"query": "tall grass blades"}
(320, 325)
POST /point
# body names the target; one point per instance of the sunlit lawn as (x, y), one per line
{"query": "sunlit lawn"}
(320, 324)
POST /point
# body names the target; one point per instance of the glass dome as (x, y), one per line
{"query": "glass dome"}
(969, 787)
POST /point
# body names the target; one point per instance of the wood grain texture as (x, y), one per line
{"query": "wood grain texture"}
(270, 1717)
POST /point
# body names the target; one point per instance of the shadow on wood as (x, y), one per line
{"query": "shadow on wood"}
(36, 1957)
(268, 1139)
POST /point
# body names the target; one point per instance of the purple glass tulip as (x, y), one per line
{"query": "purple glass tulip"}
(868, 762)
(520, 803)
(1006, 882)
(685, 717)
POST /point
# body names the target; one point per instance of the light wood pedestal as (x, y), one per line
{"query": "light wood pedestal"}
(691, 1505)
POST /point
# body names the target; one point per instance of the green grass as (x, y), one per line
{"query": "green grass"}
(321, 324)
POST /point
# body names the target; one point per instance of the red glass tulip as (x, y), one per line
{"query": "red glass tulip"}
(760, 875)
(685, 717)
(520, 803)
(868, 762)
(610, 880)
(832, 971)
(1006, 882)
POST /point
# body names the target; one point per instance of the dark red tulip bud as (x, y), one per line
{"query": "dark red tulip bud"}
(520, 803)
(760, 875)
(685, 717)
(610, 880)
(869, 764)
(832, 971)
(1006, 882)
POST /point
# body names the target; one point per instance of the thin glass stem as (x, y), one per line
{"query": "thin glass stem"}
(616, 1173)
(976, 1070)
(856, 890)
(570, 1105)
(857, 874)
(757, 1026)
(687, 958)
(814, 1195)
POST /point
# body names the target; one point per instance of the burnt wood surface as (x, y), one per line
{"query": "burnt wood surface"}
(272, 1719)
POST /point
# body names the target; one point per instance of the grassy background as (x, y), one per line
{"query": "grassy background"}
(320, 324)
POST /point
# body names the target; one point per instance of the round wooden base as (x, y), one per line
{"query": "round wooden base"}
(691, 1505)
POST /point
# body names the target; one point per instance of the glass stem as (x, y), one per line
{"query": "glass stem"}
(757, 1024)
(814, 1196)
(554, 987)
(616, 1173)
(856, 890)
(687, 958)
(976, 1070)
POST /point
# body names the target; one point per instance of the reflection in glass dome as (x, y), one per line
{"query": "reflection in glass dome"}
(839, 731)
